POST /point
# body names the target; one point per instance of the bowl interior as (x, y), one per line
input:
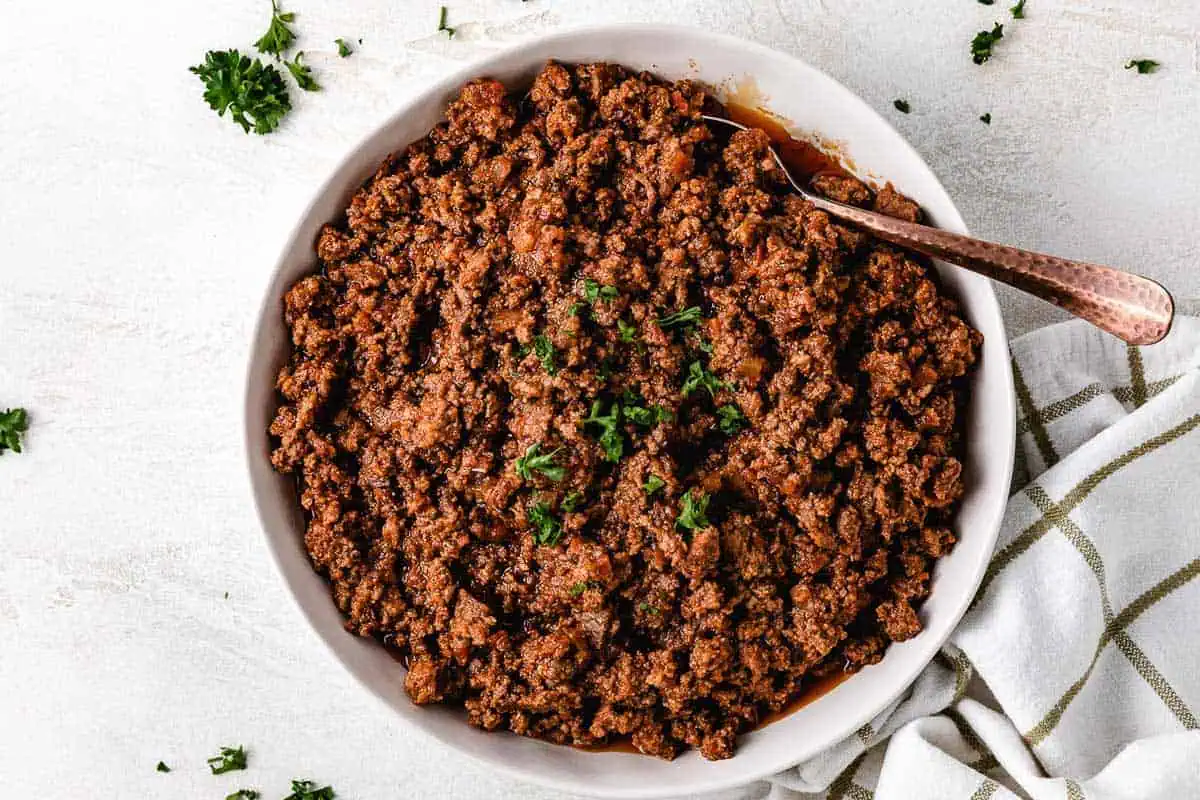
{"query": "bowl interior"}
(812, 102)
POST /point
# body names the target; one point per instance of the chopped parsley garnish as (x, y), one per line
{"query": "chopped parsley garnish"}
(981, 45)
(243, 794)
(543, 348)
(571, 501)
(646, 608)
(343, 48)
(653, 484)
(578, 589)
(547, 529)
(303, 74)
(704, 345)
(13, 423)
(162, 767)
(987, 2)
(442, 26)
(902, 106)
(534, 460)
(593, 291)
(610, 429)
(701, 378)
(691, 516)
(307, 790)
(628, 332)
(732, 419)
(688, 316)
(1144, 66)
(986, 119)
(230, 759)
(1018, 11)
(575, 308)
(279, 37)
(254, 93)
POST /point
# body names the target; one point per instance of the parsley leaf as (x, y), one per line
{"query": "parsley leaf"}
(628, 332)
(701, 378)
(902, 106)
(987, 2)
(680, 319)
(533, 460)
(543, 348)
(593, 291)
(578, 589)
(1018, 11)
(575, 308)
(646, 608)
(571, 501)
(13, 423)
(732, 419)
(442, 26)
(1144, 66)
(307, 790)
(162, 767)
(229, 760)
(701, 343)
(243, 794)
(653, 484)
(254, 93)
(981, 45)
(548, 529)
(692, 515)
(279, 36)
(343, 48)
(610, 429)
(986, 119)
(302, 73)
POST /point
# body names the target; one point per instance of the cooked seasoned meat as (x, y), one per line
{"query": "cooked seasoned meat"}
(605, 434)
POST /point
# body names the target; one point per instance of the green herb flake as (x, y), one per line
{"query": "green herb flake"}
(1144, 66)
(692, 514)
(628, 332)
(343, 49)
(307, 790)
(547, 530)
(653, 484)
(243, 794)
(984, 41)
(279, 37)
(571, 501)
(534, 460)
(700, 378)
(14, 422)
(987, 2)
(681, 319)
(986, 119)
(254, 93)
(303, 74)
(1018, 11)
(543, 348)
(577, 589)
(575, 308)
(731, 419)
(442, 26)
(230, 759)
(162, 767)
(902, 106)
(646, 608)
(593, 291)
(610, 429)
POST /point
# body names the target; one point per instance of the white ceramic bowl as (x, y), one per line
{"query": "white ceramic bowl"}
(813, 102)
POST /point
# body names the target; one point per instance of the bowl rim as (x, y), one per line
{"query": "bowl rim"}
(268, 309)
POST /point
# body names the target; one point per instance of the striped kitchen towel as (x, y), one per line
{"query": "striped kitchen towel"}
(1086, 630)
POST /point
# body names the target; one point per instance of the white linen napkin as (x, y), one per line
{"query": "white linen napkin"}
(1086, 629)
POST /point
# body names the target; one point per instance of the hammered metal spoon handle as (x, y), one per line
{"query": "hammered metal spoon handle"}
(1128, 306)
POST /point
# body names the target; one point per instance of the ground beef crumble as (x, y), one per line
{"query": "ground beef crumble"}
(493, 280)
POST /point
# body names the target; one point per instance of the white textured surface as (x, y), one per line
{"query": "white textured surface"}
(138, 230)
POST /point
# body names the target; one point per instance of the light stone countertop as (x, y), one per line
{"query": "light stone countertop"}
(138, 230)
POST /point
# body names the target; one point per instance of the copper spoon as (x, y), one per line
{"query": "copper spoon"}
(1130, 307)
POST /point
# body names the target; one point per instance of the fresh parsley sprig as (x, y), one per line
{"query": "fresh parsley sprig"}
(307, 790)
(343, 49)
(984, 41)
(610, 429)
(254, 93)
(700, 378)
(279, 36)
(13, 423)
(303, 74)
(692, 514)
(1018, 11)
(228, 760)
(535, 460)
(543, 348)
(731, 419)
(547, 530)
(652, 485)
(594, 291)
(680, 319)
